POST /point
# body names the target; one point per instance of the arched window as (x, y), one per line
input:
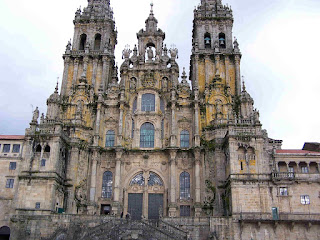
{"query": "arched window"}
(138, 180)
(97, 42)
(185, 186)
(107, 185)
(207, 40)
(47, 149)
(184, 139)
(134, 105)
(148, 102)
(110, 138)
(38, 148)
(83, 40)
(154, 179)
(147, 135)
(222, 40)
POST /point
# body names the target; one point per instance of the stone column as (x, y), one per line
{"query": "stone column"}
(105, 72)
(85, 66)
(93, 177)
(238, 74)
(75, 71)
(97, 127)
(173, 137)
(117, 179)
(172, 189)
(207, 67)
(94, 73)
(217, 63)
(197, 207)
(196, 119)
(196, 71)
(227, 62)
(120, 130)
(65, 76)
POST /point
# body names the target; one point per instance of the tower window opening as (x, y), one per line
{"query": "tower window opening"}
(207, 40)
(83, 40)
(97, 42)
(222, 40)
(148, 102)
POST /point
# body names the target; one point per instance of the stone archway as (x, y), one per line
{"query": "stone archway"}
(145, 196)
(4, 233)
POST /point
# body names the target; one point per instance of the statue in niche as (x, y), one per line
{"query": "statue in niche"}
(79, 108)
(133, 84)
(218, 106)
(35, 115)
(165, 84)
(150, 53)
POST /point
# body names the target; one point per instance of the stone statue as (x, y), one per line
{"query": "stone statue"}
(79, 108)
(35, 115)
(150, 53)
(42, 118)
(68, 47)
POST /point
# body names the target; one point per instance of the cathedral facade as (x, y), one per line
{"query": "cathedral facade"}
(126, 152)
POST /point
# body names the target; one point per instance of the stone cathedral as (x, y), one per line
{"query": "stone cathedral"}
(136, 152)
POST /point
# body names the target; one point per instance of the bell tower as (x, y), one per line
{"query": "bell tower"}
(215, 62)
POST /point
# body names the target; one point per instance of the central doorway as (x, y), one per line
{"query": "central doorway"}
(145, 196)
(135, 205)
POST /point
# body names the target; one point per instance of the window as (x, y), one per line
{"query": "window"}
(110, 138)
(304, 169)
(16, 148)
(148, 102)
(185, 211)
(37, 205)
(38, 148)
(275, 213)
(97, 42)
(132, 130)
(147, 135)
(185, 186)
(6, 148)
(10, 183)
(138, 180)
(305, 199)
(154, 179)
(107, 185)
(43, 163)
(222, 40)
(184, 139)
(83, 40)
(283, 191)
(105, 209)
(47, 149)
(207, 40)
(241, 166)
(12, 166)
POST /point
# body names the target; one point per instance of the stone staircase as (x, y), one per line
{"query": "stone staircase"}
(122, 229)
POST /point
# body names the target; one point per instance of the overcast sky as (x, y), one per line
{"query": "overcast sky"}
(279, 40)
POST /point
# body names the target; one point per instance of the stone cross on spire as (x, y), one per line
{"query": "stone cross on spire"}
(243, 84)
(151, 22)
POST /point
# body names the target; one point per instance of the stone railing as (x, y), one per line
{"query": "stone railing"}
(292, 217)
(278, 176)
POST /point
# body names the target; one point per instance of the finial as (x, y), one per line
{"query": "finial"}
(57, 86)
(243, 85)
(151, 4)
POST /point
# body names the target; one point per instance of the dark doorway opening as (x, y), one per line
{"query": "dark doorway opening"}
(106, 209)
(4, 233)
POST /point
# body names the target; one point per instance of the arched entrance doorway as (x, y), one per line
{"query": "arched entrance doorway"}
(145, 196)
(4, 233)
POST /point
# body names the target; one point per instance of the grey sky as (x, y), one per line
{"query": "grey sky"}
(278, 40)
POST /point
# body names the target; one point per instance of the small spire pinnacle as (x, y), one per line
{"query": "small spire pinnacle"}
(151, 4)
(243, 85)
(57, 86)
